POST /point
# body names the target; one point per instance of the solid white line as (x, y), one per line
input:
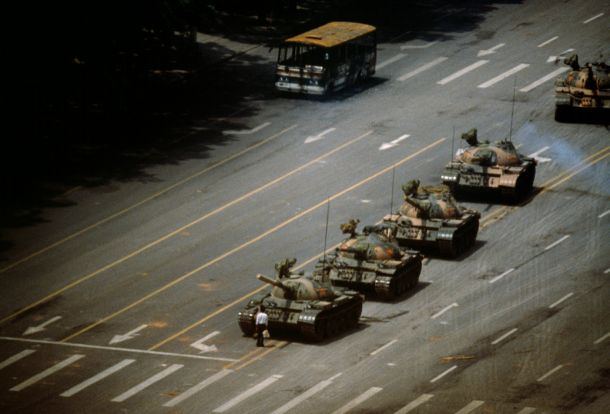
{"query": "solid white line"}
(384, 347)
(561, 300)
(543, 79)
(145, 384)
(462, 72)
(246, 131)
(605, 213)
(307, 394)
(415, 403)
(114, 348)
(390, 60)
(422, 68)
(551, 372)
(439, 313)
(470, 407)
(443, 374)
(16, 358)
(504, 75)
(195, 389)
(503, 337)
(548, 41)
(97, 378)
(247, 394)
(550, 246)
(602, 339)
(527, 410)
(593, 18)
(358, 400)
(495, 279)
(47, 372)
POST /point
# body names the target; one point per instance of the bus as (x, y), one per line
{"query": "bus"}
(327, 59)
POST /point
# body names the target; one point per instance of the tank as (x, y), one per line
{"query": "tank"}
(298, 303)
(490, 167)
(431, 218)
(586, 87)
(371, 262)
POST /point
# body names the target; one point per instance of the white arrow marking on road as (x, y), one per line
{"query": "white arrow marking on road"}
(424, 46)
(391, 144)
(41, 327)
(490, 51)
(536, 154)
(203, 347)
(246, 131)
(559, 56)
(552, 39)
(318, 137)
(129, 335)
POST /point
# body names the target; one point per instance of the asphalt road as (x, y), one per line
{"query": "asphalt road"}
(126, 301)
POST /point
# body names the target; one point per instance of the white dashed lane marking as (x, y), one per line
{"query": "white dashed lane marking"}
(306, 395)
(543, 79)
(593, 18)
(16, 357)
(548, 374)
(196, 388)
(441, 375)
(473, 405)
(59, 366)
(247, 394)
(552, 39)
(439, 313)
(97, 378)
(422, 68)
(504, 75)
(358, 400)
(550, 246)
(390, 61)
(503, 337)
(415, 403)
(569, 295)
(495, 279)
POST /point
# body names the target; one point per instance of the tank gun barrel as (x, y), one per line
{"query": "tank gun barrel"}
(273, 282)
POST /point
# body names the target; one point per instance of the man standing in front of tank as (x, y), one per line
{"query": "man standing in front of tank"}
(261, 325)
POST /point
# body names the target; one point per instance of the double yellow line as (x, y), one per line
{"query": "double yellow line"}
(253, 240)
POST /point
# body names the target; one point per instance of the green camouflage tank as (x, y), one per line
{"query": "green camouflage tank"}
(586, 87)
(484, 166)
(430, 217)
(300, 303)
(371, 262)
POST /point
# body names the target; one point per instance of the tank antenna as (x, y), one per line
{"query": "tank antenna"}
(326, 233)
(392, 192)
(512, 111)
(452, 139)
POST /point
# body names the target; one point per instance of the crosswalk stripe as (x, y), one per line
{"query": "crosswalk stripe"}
(47, 372)
(415, 403)
(16, 358)
(307, 394)
(96, 378)
(470, 407)
(195, 389)
(504, 75)
(155, 378)
(247, 394)
(543, 79)
(358, 400)
(462, 72)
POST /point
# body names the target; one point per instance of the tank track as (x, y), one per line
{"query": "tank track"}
(391, 287)
(246, 324)
(331, 322)
(462, 240)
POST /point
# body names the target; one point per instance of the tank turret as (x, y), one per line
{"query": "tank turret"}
(431, 218)
(371, 262)
(483, 166)
(300, 303)
(584, 88)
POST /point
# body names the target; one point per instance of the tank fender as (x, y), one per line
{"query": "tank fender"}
(308, 317)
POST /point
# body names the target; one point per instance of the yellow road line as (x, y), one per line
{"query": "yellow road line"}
(251, 241)
(146, 200)
(566, 175)
(181, 229)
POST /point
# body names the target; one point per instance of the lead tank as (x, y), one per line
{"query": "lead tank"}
(484, 166)
(430, 217)
(298, 303)
(371, 262)
(586, 87)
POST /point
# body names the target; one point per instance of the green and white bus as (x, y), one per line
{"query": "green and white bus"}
(327, 58)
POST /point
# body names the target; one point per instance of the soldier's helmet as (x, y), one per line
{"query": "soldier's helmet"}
(350, 226)
(410, 187)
